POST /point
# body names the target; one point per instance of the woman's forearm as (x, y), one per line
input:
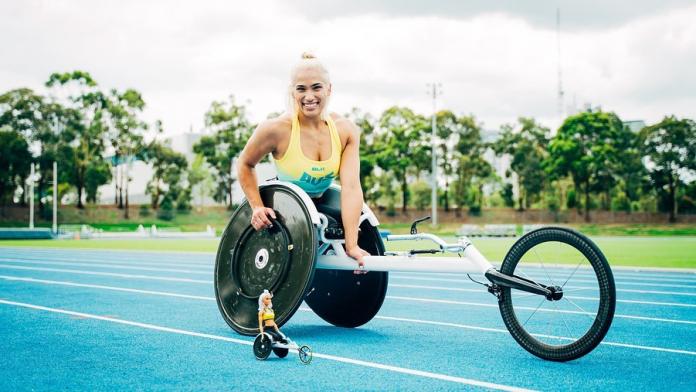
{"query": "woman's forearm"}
(351, 207)
(249, 184)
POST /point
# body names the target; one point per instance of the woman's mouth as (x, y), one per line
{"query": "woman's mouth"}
(310, 105)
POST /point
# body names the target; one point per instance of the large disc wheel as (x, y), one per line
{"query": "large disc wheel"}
(568, 327)
(341, 297)
(279, 259)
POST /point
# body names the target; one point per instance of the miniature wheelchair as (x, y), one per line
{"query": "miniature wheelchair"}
(554, 288)
(280, 345)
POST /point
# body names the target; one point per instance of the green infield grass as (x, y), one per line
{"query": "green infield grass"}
(667, 252)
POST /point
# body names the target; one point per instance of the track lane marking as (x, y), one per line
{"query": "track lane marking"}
(370, 364)
(463, 326)
(630, 301)
(78, 264)
(149, 277)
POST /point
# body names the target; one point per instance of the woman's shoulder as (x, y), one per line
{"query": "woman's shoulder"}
(343, 123)
(276, 124)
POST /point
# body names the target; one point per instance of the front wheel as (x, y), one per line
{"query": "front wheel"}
(570, 327)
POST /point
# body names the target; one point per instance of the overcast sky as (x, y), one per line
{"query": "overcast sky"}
(496, 60)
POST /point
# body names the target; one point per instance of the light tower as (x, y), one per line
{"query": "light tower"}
(434, 90)
(558, 53)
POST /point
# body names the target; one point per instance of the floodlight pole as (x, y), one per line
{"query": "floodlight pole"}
(55, 197)
(31, 197)
(436, 90)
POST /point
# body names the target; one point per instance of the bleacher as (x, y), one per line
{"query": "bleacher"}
(497, 230)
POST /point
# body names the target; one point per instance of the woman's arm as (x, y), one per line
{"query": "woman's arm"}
(261, 142)
(351, 192)
(261, 322)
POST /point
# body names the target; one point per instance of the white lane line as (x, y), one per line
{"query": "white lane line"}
(103, 287)
(130, 267)
(105, 261)
(571, 287)
(149, 277)
(375, 365)
(465, 303)
(81, 272)
(629, 301)
(306, 309)
(618, 283)
(618, 278)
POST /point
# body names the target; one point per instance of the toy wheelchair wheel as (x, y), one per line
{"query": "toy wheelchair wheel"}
(570, 326)
(305, 354)
(280, 352)
(280, 259)
(262, 347)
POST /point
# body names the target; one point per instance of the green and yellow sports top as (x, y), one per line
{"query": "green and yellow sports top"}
(314, 177)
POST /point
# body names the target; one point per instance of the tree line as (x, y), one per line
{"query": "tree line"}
(592, 161)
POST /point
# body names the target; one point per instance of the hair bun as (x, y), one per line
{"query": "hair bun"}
(308, 55)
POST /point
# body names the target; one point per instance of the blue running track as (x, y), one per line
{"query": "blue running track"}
(111, 320)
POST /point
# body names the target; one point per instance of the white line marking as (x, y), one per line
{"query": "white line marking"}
(148, 277)
(69, 271)
(571, 297)
(136, 262)
(358, 362)
(130, 267)
(451, 302)
(463, 326)
(618, 283)
(102, 287)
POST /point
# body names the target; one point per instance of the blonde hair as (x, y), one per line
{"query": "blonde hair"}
(261, 297)
(307, 60)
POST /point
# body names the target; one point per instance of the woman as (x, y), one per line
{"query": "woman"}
(310, 148)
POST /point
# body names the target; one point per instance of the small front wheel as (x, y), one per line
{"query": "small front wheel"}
(305, 354)
(262, 347)
(568, 326)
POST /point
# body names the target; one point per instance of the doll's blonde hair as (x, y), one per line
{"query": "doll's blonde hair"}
(261, 297)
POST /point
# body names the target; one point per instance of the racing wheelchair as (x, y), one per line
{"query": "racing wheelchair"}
(554, 288)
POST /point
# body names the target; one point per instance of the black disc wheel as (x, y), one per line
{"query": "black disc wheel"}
(280, 259)
(305, 354)
(576, 319)
(262, 347)
(343, 298)
(280, 352)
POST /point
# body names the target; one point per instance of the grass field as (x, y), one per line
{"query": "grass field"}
(667, 252)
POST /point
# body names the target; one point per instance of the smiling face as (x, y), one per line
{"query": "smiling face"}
(266, 300)
(310, 90)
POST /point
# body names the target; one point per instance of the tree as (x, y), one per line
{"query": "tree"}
(368, 160)
(167, 181)
(84, 131)
(199, 178)
(231, 129)
(39, 122)
(449, 128)
(586, 148)
(526, 147)
(126, 137)
(15, 161)
(401, 147)
(472, 171)
(670, 157)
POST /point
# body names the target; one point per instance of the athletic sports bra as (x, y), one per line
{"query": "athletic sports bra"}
(268, 314)
(314, 177)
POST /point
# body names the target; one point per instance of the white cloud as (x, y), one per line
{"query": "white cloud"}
(497, 65)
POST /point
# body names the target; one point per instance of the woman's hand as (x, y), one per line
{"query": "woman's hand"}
(357, 253)
(260, 217)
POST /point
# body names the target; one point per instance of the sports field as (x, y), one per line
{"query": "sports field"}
(664, 252)
(122, 320)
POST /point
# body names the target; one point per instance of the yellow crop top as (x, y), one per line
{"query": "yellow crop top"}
(314, 177)
(268, 314)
